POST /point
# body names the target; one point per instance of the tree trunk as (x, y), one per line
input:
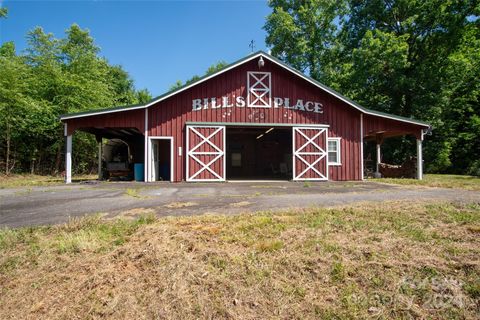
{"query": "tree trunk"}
(7, 155)
(58, 158)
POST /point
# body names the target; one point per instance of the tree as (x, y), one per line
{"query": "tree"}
(304, 34)
(14, 101)
(143, 96)
(3, 12)
(212, 69)
(54, 77)
(392, 56)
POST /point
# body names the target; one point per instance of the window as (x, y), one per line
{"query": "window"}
(334, 152)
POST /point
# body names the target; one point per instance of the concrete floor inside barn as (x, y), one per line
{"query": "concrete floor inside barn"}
(57, 204)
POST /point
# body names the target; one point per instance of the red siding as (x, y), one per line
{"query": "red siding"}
(169, 117)
(373, 124)
(125, 119)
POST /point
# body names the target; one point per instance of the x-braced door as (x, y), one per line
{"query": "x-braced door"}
(205, 153)
(310, 153)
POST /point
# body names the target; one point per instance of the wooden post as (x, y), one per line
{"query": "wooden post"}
(419, 160)
(379, 139)
(100, 154)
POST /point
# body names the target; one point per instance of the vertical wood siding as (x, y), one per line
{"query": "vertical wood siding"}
(372, 125)
(125, 119)
(169, 117)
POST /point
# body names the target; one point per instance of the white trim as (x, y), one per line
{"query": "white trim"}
(298, 73)
(68, 159)
(146, 162)
(297, 154)
(361, 146)
(187, 146)
(378, 158)
(419, 160)
(191, 154)
(224, 154)
(338, 151)
(168, 95)
(172, 150)
(256, 124)
(258, 78)
(207, 78)
(66, 117)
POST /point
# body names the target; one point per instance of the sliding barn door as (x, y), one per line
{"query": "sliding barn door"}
(310, 153)
(205, 153)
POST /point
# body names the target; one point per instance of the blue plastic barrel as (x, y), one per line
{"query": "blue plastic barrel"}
(138, 171)
(165, 172)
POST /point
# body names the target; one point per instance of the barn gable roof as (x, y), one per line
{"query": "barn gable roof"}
(233, 65)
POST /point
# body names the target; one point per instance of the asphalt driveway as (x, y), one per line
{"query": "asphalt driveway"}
(51, 205)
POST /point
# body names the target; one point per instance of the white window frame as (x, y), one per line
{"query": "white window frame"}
(149, 155)
(259, 89)
(339, 154)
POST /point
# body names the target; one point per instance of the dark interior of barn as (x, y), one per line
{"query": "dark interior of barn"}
(260, 153)
(120, 156)
(161, 160)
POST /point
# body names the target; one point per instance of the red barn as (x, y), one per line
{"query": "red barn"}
(255, 119)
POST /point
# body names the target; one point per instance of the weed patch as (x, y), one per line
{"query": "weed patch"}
(438, 180)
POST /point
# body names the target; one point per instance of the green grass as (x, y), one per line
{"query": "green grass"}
(30, 180)
(438, 180)
(79, 234)
(384, 260)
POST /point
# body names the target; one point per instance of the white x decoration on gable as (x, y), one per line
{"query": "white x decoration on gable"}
(259, 89)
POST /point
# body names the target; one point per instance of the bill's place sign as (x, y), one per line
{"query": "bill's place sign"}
(258, 96)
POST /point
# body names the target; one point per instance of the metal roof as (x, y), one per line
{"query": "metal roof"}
(233, 65)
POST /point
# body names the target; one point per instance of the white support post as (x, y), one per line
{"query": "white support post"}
(361, 147)
(379, 156)
(419, 160)
(68, 159)
(146, 162)
(100, 153)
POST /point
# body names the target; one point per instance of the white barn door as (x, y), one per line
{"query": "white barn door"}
(205, 153)
(310, 160)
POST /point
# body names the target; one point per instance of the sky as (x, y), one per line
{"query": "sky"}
(156, 42)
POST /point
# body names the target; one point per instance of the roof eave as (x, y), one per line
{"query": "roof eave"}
(235, 64)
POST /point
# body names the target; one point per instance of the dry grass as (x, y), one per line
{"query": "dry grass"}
(178, 205)
(240, 204)
(438, 180)
(391, 260)
(31, 180)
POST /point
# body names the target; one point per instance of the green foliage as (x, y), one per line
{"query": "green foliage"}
(54, 77)
(3, 12)
(212, 69)
(407, 57)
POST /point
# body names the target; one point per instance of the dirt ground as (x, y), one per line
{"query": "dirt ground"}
(57, 204)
